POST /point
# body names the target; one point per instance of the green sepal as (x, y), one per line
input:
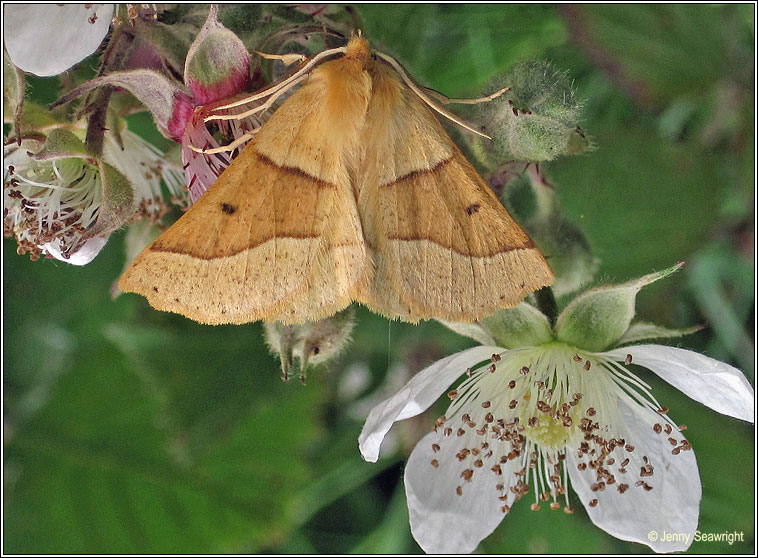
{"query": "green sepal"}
(642, 331)
(520, 326)
(597, 319)
(118, 206)
(62, 143)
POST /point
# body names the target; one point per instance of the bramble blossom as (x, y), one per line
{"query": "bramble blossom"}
(543, 407)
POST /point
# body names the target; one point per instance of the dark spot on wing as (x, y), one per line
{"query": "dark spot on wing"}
(473, 208)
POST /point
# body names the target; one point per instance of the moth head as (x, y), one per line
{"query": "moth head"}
(358, 47)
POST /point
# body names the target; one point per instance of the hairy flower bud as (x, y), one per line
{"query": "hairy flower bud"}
(536, 120)
(309, 343)
(218, 64)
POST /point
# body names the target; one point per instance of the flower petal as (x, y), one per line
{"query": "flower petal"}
(47, 39)
(416, 396)
(442, 521)
(671, 507)
(83, 255)
(721, 387)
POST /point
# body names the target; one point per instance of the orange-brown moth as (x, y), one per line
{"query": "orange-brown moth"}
(351, 191)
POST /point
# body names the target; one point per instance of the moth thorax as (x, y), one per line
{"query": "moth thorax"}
(358, 47)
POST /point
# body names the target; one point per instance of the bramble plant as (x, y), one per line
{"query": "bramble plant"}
(129, 430)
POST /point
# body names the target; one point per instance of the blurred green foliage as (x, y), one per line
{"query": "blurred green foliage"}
(131, 431)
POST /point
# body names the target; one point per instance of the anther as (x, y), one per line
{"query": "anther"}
(486, 404)
(672, 441)
(524, 370)
(512, 384)
(512, 404)
(535, 507)
(593, 502)
(496, 357)
(453, 394)
(460, 432)
(467, 474)
(591, 412)
(505, 509)
(587, 365)
(667, 428)
(492, 368)
(682, 427)
(663, 410)
(628, 359)
(657, 428)
(577, 358)
(435, 448)
(568, 509)
(554, 506)
(435, 463)
(459, 490)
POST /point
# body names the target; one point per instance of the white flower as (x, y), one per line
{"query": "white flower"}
(145, 166)
(52, 205)
(48, 206)
(47, 39)
(538, 413)
(531, 417)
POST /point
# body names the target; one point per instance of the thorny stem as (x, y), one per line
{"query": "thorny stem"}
(546, 303)
(114, 56)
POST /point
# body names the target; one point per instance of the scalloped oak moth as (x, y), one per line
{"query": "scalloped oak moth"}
(351, 191)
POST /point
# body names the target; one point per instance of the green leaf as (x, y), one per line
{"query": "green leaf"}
(151, 434)
(456, 48)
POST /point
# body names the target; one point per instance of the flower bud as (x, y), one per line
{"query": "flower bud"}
(218, 64)
(536, 120)
(309, 343)
(599, 318)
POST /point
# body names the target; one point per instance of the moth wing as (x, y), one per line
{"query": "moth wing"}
(277, 237)
(443, 245)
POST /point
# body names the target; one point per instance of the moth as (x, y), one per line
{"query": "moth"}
(351, 191)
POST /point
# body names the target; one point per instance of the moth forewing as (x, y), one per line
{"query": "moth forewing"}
(352, 190)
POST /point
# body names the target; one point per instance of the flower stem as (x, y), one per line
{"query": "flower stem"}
(546, 303)
(114, 58)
